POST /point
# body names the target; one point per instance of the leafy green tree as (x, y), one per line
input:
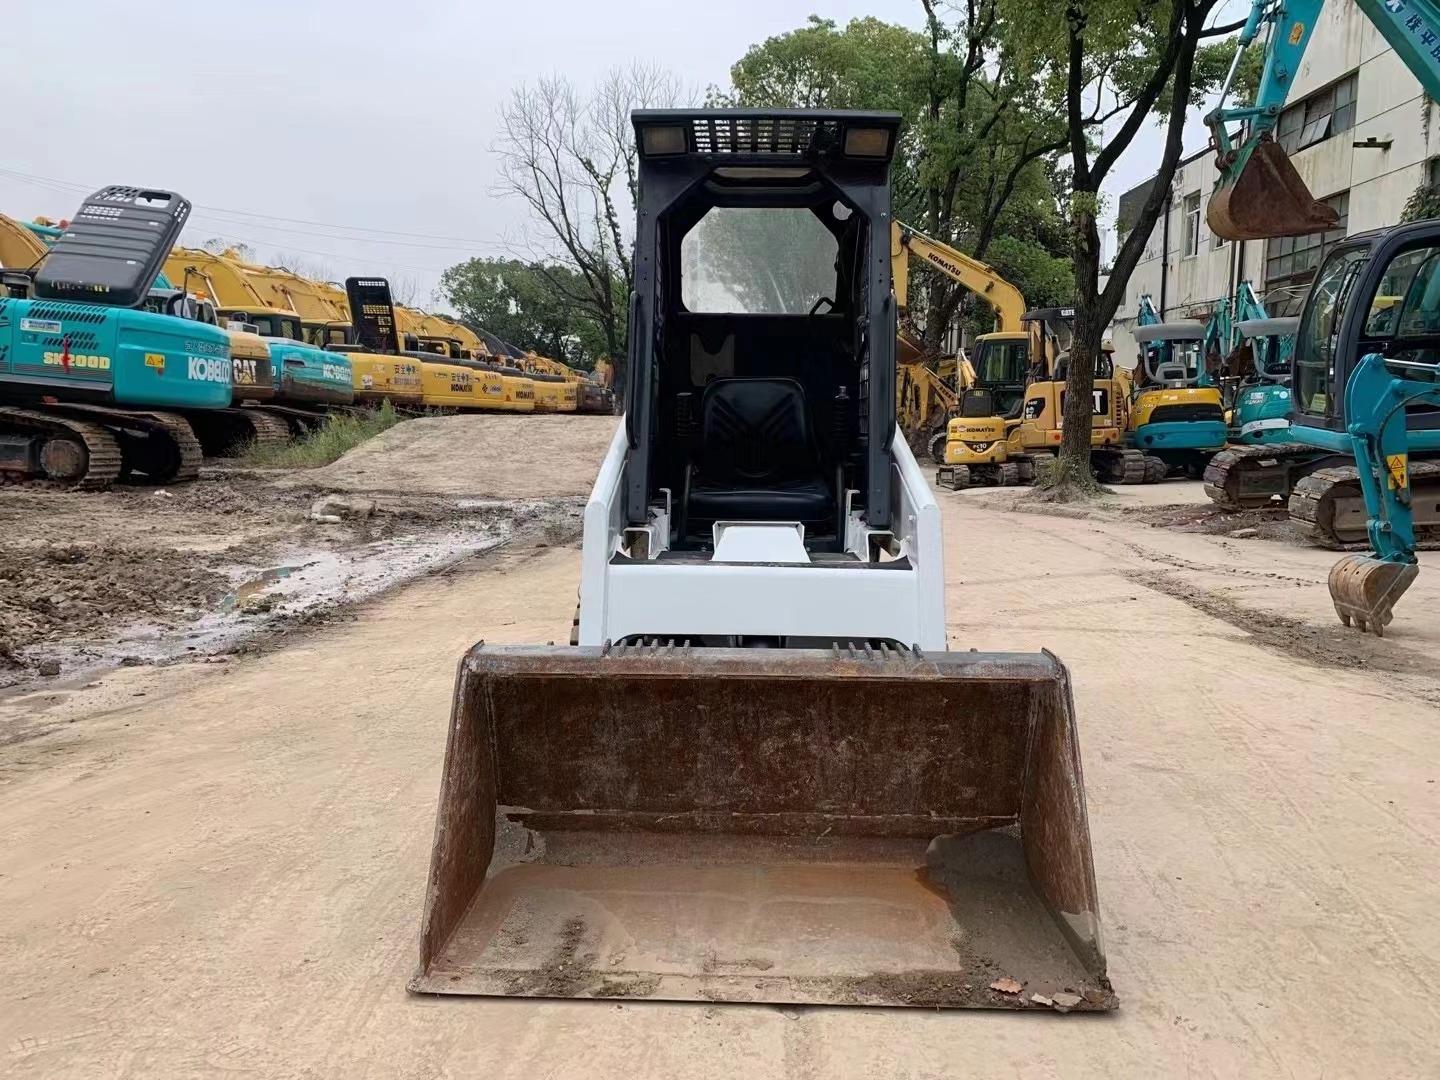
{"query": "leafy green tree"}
(1114, 64)
(971, 163)
(533, 306)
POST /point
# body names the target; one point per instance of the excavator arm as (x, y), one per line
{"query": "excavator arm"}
(979, 278)
(1364, 588)
(1259, 193)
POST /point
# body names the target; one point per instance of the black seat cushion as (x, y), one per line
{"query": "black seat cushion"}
(757, 459)
(806, 500)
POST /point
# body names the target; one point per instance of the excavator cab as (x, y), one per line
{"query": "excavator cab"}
(1367, 365)
(760, 775)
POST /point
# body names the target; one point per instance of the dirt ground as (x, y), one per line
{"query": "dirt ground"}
(159, 573)
(491, 456)
(220, 868)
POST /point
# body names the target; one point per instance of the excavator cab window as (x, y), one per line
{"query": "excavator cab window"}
(1408, 301)
(1315, 342)
(1002, 363)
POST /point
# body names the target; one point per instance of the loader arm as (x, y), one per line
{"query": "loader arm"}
(1259, 194)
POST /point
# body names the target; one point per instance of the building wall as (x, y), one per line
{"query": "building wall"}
(1388, 107)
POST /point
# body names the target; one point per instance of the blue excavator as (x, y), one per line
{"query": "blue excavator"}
(92, 385)
(1175, 409)
(1256, 376)
(1253, 352)
(1365, 382)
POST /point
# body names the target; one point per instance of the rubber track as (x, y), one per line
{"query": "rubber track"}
(176, 428)
(1134, 465)
(1155, 470)
(265, 427)
(1312, 505)
(959, 478)
(297, 422)
(1225, 470)
(102, 451)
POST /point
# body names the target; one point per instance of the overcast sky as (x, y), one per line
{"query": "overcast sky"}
(332, 131)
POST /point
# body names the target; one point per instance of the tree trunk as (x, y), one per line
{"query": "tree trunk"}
(1089, 333)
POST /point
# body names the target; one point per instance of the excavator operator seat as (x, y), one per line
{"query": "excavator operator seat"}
(758, 459)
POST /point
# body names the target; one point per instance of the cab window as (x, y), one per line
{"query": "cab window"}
(1319, 329)
(1001, 363)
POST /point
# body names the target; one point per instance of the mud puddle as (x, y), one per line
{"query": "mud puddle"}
(246, 606)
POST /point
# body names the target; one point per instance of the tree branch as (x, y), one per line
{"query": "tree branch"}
(1145, 100)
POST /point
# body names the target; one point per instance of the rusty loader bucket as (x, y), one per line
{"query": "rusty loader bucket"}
(1267, 199)
(780, 826)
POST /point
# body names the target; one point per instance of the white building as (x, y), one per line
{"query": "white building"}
(1362, 136)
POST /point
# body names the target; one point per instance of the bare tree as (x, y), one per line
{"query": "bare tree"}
(571, 158)
(314, 269)
(405, 290)
(219, 245)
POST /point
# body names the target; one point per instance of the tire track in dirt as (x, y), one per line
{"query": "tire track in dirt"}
(1335, 647)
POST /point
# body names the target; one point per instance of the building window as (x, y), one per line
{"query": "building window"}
(1432, 172)
(1192, 224)
(1328, 112)
(1291, 260)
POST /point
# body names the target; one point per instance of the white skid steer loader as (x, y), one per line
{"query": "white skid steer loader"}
(760, 776)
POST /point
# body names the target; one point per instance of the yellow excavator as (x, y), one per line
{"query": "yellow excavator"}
(557, 387)
(492, 387)
(1003, 413)
(325, 322)
(928, 396)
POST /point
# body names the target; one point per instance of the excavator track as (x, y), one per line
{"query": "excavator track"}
(1328, 507)
(97, 463)
(1123, 466)
(954, 477)
(1248, 477)
(165, 450)
(937, 446)
(222, 432)
(297, 422)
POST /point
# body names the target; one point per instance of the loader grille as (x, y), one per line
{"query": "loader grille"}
(792, 136)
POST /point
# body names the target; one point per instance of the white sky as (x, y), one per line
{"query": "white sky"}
(337, 132)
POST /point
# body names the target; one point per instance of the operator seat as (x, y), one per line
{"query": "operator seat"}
(757, 460)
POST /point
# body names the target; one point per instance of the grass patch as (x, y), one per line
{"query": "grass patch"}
(338, 435)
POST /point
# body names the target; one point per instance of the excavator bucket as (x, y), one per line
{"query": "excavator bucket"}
(1365, 590)
(842, 826)
(1267, 199)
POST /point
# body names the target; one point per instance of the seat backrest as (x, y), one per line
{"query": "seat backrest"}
(1172, 374)
(756, 430)
(977, 402)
